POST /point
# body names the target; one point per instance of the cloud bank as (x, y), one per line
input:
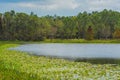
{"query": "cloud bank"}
(59, 7)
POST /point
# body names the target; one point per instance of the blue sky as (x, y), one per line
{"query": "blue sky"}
(58, 7)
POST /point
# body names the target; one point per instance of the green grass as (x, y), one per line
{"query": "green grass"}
(80, 41)
(64, 41)
(15, 65)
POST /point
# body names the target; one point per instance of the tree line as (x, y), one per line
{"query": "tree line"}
(30, 27)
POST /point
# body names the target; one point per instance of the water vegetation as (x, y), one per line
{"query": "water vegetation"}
(15, 65)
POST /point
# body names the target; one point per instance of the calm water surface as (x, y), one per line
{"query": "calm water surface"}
(72, 50)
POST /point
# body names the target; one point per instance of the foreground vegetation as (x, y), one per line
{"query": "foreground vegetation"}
(15, 65)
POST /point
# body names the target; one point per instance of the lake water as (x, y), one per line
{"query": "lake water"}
(72, 50)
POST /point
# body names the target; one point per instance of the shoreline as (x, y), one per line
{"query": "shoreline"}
(82, 41)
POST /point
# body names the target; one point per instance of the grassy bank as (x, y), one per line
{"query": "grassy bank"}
(16, 65)
(80, 41)
(64, 41)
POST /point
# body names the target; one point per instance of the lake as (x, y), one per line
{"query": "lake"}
(73, 51)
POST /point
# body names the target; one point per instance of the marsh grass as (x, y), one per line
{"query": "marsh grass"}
(80, 41)
(15, 65)
(63, 41)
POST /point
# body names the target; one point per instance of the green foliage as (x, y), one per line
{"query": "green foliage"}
(24, 27)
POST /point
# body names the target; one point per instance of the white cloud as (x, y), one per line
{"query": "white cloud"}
(60, 7)
(68, 4)
(35, 5)
(97, 5)
(50, 5)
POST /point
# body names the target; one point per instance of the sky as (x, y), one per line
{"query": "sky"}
(58, 7)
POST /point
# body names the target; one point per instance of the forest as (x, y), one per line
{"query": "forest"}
(30, 27)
